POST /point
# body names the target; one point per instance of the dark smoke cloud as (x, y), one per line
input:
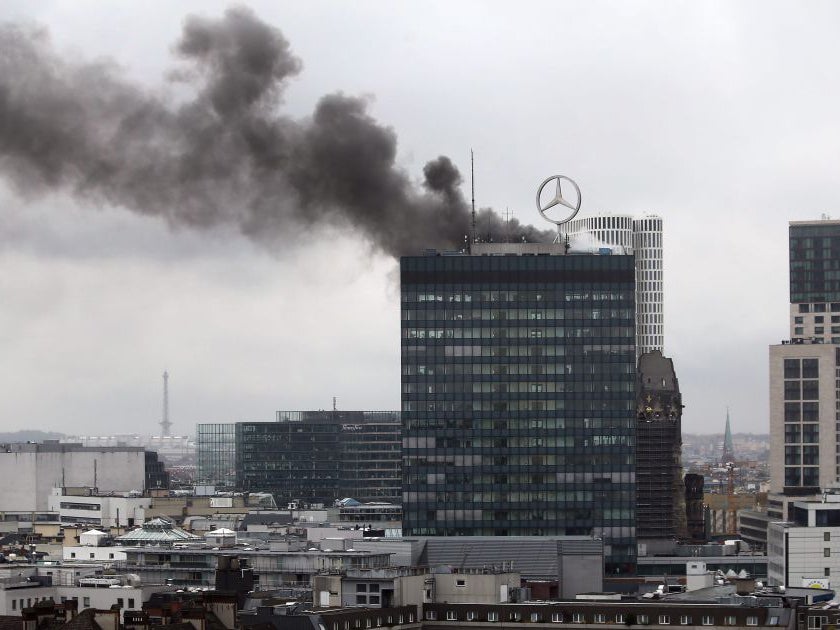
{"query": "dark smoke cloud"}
(226, 156)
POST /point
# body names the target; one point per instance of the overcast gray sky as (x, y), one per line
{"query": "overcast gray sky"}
(719, 116)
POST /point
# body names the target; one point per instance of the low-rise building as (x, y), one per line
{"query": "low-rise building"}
(806, 549)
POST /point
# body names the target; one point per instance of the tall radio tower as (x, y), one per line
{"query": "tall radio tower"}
(165, 424)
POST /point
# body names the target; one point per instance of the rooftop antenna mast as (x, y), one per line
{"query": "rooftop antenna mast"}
(472, 184)
(165, 424)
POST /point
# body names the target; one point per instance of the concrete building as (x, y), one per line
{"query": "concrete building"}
(804, 385)
(387, 588)
(643, 238)
(554, 566)
(518, 395)
(804, 398)
(82, 506)
(38, 468)
(806, 549)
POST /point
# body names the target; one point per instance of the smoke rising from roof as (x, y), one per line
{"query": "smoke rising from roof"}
(227, 155)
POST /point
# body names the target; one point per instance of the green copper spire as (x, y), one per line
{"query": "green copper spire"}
(728, 445)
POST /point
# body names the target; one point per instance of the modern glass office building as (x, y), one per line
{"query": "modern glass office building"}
(518, 395)
(321, 456)
(216, 454)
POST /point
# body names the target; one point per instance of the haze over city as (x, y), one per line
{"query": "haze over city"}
(719, 117)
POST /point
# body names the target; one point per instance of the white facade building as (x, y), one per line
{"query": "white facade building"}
(806, 550)
(98, 510)
(38, 468)
(642, 237)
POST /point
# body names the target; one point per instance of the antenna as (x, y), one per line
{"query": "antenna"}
(165, 424)
(472, 184)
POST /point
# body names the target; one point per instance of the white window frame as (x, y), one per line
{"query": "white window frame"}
(492, 616)
(451, 615)
(664, 620)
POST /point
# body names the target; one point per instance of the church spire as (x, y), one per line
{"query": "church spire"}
(728, 454)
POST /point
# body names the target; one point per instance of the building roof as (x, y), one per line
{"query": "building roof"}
(157, 530)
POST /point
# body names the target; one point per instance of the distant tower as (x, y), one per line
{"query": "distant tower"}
(165, 424)
(728, 454)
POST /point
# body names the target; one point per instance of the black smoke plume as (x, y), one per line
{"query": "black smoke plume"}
(226, 156)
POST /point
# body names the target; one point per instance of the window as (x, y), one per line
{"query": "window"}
(827, 552)
(14, 604)
(819, 308)
(819, 319)
(110, 556)
(431, 615)
(492, 616)
(827, 572)
(798, 330)
(642, 619)
(535, 617)
(120, 602)
(826, 536)
(708, 620)
(557, 617)
(72, 554)
(664, 619)
(86, 602)
(804, 308)
(600, 618)
(460, 582)
(577, 617)
(620, 618)
(515, 616)
(730, 620)
(799, 320)
(752, 620)
(685, 620)
(92, 556)
(819, 330)
(471, 615)
(451, 616)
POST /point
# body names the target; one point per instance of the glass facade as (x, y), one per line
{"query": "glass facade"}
(216, 454)
(815, 262)
(321, 456)
(518, 397)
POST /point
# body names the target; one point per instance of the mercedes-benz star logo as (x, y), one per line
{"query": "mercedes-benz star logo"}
(558, 200)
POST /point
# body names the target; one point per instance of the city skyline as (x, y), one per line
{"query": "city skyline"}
(652, 109)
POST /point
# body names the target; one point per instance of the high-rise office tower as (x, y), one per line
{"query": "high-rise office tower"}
(518, 394)
(804, 392)
(643, 238)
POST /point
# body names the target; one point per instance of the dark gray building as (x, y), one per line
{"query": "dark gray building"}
(321, 456)
(518, 395)
(660, 502)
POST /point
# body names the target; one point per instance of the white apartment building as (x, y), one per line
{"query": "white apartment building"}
(642, 237)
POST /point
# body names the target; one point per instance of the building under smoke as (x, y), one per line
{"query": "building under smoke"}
(518, 395)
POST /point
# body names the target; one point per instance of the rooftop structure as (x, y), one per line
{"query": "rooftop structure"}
(157, 531)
